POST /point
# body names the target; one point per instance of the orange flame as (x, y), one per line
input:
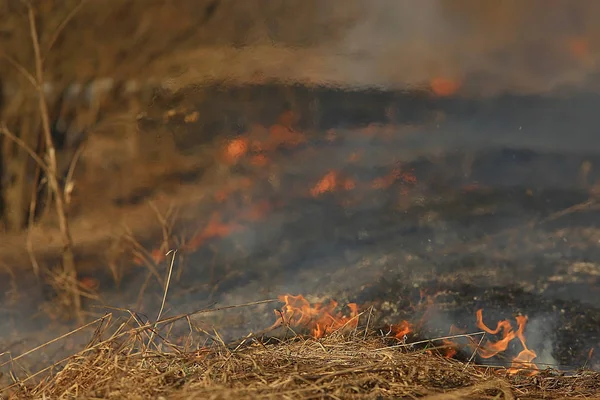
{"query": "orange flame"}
(326, 184)
(331, 182)
(214, 229)
(157, 256)
(402, 329)
(524, 359)
(320, 318)
(236, 149)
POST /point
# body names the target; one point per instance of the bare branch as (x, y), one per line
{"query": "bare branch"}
(21, 69)
(5, 131)
(68, 262)
(61, 27)
(71, 172)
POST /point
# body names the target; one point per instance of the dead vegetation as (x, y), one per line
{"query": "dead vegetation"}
(132, 360)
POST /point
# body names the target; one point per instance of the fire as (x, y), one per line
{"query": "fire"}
(524, 360)
(214, 229)
(281, 135)
(331, 182)
(402, 329)
(444, 87)
(236, 149)
(320, 318)
(396, 175)
(157, 256)
(327, 184)
(259, 140)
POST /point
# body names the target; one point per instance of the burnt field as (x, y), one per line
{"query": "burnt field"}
(415, 208)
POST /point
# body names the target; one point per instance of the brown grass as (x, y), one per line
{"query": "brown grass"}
(131, 360)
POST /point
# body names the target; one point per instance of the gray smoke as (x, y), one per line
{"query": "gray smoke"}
(490, 46)
(538, 333)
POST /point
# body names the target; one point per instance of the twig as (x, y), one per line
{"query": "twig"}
(31, 222)
(403, 345)
(55, 340)
(474, 352)
(72, 164)
(22, 70)
(5, 131)
(368, 321)
(164, 299)
(61, 27)
(117, 335)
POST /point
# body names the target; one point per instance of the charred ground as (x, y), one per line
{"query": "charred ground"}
(510, 229)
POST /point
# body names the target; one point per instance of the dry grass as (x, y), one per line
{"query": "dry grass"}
(131, 360)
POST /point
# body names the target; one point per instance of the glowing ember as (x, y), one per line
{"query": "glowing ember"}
(320, 318)
(236, 149)
(157, 256)
(444, 87)
(282, 135)
(89, 283)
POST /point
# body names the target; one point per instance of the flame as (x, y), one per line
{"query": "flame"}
(444, 87)
(332, 181)
(157, 256)
(402, 329)
(349, 184)
(319, 318)
(214, 229)
(327, 184)
(489, 349)
(322, 319)
(524, 360)
(283, 135)
(236, 149)
(396, 175)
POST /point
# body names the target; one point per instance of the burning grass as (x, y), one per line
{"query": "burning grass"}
(132, 360)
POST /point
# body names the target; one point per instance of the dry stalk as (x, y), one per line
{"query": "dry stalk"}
(49, 165)
(68, 259)
(164, 299)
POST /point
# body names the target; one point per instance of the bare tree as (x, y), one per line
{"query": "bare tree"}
(48, 164)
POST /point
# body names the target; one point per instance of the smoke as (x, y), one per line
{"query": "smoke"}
(532, 46)
(540, 338)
